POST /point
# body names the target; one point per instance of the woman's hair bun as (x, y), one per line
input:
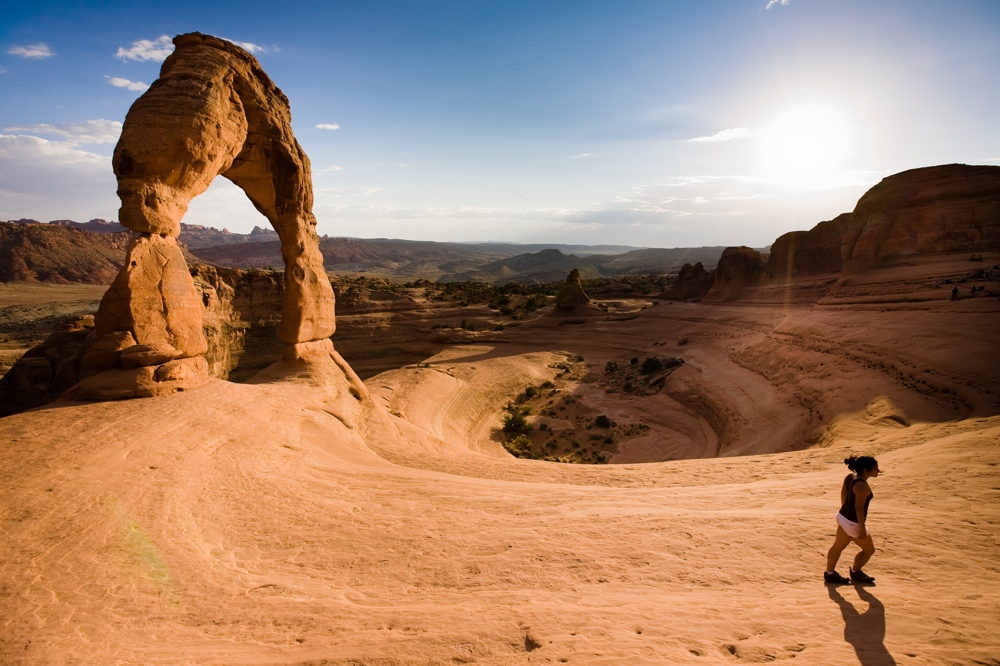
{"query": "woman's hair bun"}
(858, 464)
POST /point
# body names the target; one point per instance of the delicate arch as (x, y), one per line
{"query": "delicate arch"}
(213, 111)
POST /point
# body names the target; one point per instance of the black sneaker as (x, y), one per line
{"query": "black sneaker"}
(834, 578)
(860, 576)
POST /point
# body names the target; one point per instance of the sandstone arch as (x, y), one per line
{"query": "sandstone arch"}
(213, 111)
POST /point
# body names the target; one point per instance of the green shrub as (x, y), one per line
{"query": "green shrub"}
(603, 421)
(514, 423)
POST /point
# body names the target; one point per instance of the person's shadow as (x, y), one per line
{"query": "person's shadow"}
(864, 631)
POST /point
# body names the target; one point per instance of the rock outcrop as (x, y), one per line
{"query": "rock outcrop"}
(739, 267)
(572, 297)
(213, 111)
(692, 283)
(948, 208)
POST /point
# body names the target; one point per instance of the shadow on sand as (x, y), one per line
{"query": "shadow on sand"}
(864, 631)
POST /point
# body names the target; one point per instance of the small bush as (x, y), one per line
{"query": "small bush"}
(603, 421)
(651, 365)
(634, 361)
(610, 367)
(514, 423)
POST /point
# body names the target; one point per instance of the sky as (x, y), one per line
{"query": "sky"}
(658, 124)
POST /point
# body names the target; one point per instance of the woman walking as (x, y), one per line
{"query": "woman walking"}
(855, 496)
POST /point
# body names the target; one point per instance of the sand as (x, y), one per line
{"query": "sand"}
(286, 522)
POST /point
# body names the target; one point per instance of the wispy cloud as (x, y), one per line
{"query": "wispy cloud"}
(156, 50)
(31, 51)
(772, 3)
(35, 168)
(582, 156)
(724, 135)
(249, 46)
(332, 167)
(118, 82)
(328, 126)
(348, 191)
(88, 131)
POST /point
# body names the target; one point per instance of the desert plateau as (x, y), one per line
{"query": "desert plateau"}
(282, 447)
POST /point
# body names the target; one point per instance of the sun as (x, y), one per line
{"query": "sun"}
(807, 145)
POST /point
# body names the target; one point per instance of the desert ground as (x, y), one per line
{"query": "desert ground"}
(305, 518)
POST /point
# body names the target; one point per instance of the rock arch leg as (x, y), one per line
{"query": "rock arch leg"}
(213, 111)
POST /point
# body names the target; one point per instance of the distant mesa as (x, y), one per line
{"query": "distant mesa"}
(572, 297)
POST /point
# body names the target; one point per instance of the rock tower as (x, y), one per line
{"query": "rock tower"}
(213, 111)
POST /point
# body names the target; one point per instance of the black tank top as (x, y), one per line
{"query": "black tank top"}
(849, 510)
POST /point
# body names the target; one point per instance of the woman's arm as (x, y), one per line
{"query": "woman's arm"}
(861, 493)
(843, 490)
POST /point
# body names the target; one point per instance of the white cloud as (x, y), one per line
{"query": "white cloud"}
(772, 3)
(724, 135)
(332, 167)
(88, 131)
(582, 156)
(328, 126)
(249, 46)
(145, 49)
(31, 51)
(118, 82)
(47, 180)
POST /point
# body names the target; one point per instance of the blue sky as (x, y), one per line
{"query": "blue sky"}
(665, 124)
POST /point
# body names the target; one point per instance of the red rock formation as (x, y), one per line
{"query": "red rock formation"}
(949, 208)
(571, 296)
(738, 268)
(213, 111)
(693, 282)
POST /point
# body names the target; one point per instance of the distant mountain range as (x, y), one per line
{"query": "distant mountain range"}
(101, 243)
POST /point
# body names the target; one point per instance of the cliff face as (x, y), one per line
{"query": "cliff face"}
(950, 208)
(59, 254)
(738, 267)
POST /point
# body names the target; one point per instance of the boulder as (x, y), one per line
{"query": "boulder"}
(139, 356)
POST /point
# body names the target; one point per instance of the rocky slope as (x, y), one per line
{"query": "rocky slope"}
(911, 218)
(58, 254)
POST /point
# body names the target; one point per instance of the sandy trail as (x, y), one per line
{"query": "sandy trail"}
(288, 522)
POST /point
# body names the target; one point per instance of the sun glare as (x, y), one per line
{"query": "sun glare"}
(807, 146)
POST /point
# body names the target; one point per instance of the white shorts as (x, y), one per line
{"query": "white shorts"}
(852, 528)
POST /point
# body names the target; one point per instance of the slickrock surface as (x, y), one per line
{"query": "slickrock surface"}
(298, 520)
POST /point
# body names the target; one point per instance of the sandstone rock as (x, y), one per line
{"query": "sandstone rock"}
(142, 382)
(192, 371)
(214, 111)
(154, 298)
(808, 252)
(948, 208)
(738, 268)
(107, 351)
(572, 296)
(138, 356)
(692, 283)
(47, 369)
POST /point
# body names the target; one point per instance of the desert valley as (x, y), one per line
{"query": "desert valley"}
(401, 452)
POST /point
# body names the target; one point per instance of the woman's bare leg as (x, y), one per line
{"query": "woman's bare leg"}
(867, 550)
(838, 547)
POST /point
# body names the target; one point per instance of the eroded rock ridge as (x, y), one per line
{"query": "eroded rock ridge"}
(212, 112)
